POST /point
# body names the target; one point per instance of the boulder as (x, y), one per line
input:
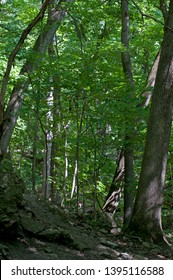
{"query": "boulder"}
(31, 225)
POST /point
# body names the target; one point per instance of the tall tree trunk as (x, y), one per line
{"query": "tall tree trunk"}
(128, 179)
(112, 199)
(116, 187)
(55, 133)
(80, 113)
(146, 218)
(128, 146)
(35, 138)
(63, 202)
(46, 164)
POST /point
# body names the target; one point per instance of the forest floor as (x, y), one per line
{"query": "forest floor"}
(47, 233)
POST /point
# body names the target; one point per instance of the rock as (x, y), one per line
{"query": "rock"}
(116, 231)
(56, 235)
(109, 244)
(147, 245)
(30, 225)
(155, 251)
(9, 226)
(4, 252)
(139, 257)
(11, 193)
(62, 237)
(48, 250)
(126, 256)
(103, 230)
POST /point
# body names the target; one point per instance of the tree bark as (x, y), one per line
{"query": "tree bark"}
(151, 82)
(18, 93)
(116, 186)
(146, 218)
(113, 197)
(164, 9)
(56, 129)
(128, 146)
(34, 149)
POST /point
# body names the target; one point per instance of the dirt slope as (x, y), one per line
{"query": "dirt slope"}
(47, 233)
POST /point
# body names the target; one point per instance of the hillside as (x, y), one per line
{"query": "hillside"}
(46, 232)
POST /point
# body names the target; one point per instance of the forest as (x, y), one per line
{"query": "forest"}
(86, 146)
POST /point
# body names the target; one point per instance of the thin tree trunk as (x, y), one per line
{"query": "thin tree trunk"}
(75, 182)
(45, 186)
(34, 160)
(128, 181)
(53, 169)
(63, 203)
(128, 146)
(55, 115)
(79, 123)
(45, 173)
(118, 176)
(95, 178)
(56, 128)
(113, 198)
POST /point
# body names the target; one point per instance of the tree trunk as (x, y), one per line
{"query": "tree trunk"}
(112, 199)
(35, 138)
(17, 96)
(146, 218)
(46, 165)
(128, 146)
(151, 82)
(111, 202)
(128, 180)
(63, 202)
(12, 187)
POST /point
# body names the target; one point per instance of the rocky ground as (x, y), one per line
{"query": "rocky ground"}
(47, 233)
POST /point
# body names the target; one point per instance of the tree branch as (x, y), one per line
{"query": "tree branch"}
(4, 27)
(13, 54)
(149, 16)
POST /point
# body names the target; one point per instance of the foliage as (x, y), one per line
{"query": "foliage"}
(88, 113)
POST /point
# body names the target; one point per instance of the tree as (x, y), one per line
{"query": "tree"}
(17, 96)
(146, 218)
(79, 102)
(128, 145)
(12, 186)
